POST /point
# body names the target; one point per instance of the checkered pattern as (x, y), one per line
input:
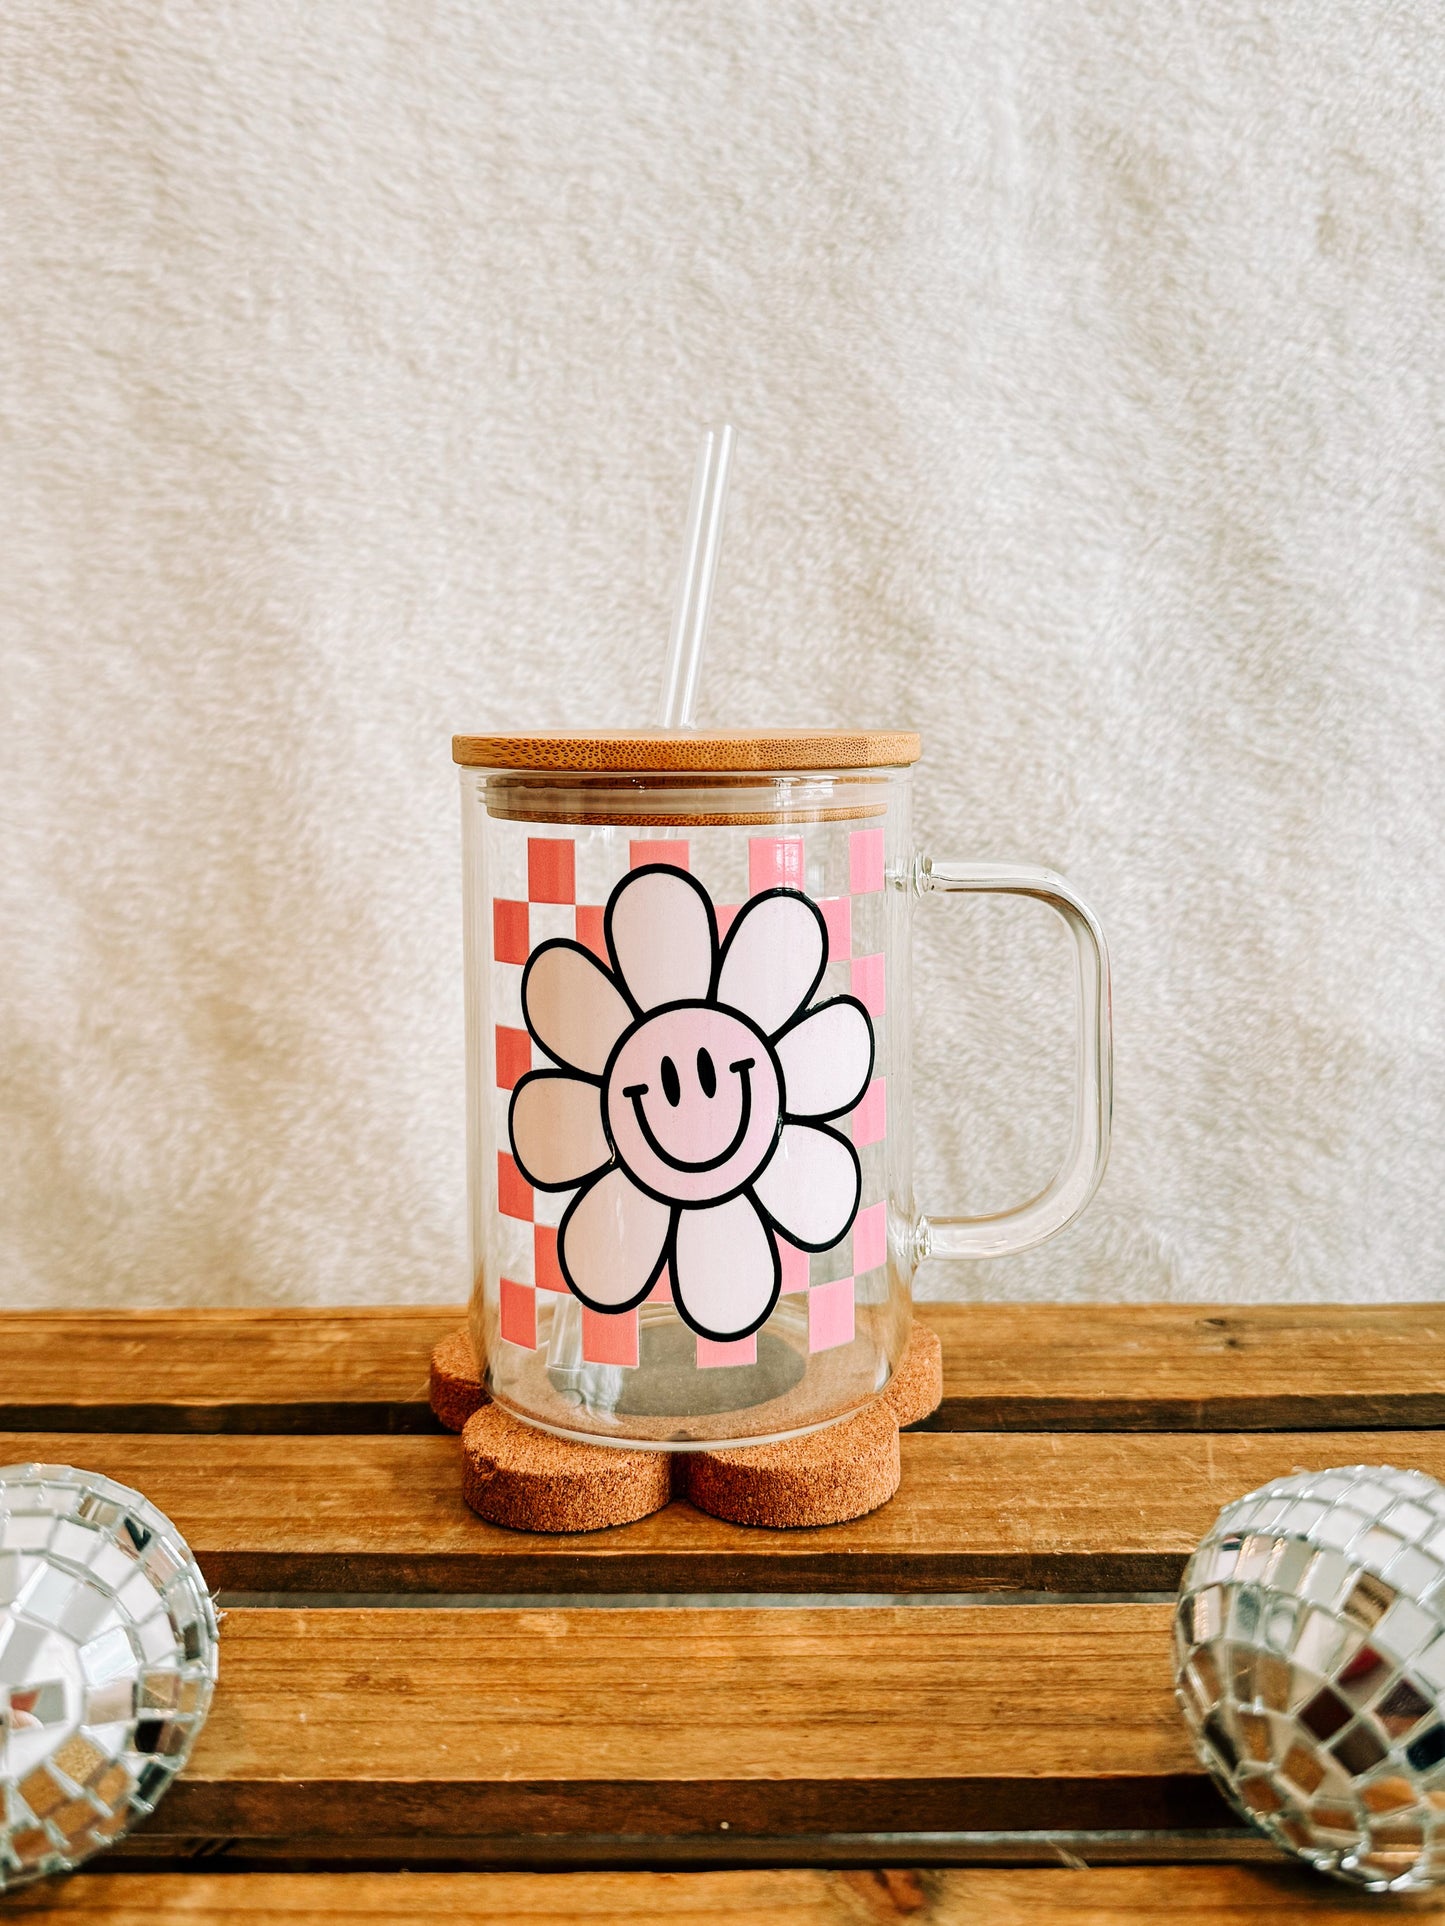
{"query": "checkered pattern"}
(559, 869)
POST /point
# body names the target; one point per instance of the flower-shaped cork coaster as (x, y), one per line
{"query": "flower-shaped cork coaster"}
(515, 1475)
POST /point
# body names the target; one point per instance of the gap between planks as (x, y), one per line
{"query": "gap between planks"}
(1020, 1367)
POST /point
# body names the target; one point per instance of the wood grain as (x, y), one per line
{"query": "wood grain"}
(1033, 1367)
(1082, 1512)
(278, 1370)
(717, 750)
(669, 1723)
(1101, 1896)
(1183, 1367)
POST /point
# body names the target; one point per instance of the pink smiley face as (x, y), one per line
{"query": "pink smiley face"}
(693, 1102)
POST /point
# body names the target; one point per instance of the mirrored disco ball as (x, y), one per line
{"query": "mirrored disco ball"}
(1310, 1663)
(107, 1663)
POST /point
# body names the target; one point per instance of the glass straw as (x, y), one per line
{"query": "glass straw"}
(695, 584)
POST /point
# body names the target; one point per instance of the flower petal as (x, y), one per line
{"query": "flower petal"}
(573, 1007)
(556, 1128)
(773, 958)
(725, 1270)
(827, 1059)
(611, 1242)
(811, 1185)
(660, 933)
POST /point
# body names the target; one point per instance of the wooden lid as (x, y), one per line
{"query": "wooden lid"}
(722, 751)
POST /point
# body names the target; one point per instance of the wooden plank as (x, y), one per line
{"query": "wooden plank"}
(1100, 1896)
(528, 1729)
(1024, 1367)
(1105, 1512)
(1187, 1367)
(283, 1370)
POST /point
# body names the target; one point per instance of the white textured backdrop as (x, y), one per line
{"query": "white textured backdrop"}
(1090, 366)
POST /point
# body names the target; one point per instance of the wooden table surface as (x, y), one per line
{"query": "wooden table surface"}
(958, 1709)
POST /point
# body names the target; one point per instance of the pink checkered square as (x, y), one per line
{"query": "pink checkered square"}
(639, 854)
(775, 862)
(725, 913)
(711, 1354)
(870, 1118)
(795, 1266)
(865, 861)
(551, 869)
(545, 1268)
(519, 1314)
(867, 977)
(838, 915)
(510, 937)
(661, 1292)
(870, 1239)
(589, 930)
(514, 1056)
(830, 1315)
(514, 1193)
(609, 1337)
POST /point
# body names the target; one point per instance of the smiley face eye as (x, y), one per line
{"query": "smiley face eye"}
(706, 1074)
(671, 1088)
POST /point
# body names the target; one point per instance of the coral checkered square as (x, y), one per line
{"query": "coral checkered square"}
(514, 1056)
(511, 940)
(609, 1337)
(551, 869)
(519, 1314)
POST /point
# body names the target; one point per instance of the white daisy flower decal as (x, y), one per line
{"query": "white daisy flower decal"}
(690, 1108)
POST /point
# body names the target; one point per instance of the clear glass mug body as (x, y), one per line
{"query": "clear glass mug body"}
(544, 854)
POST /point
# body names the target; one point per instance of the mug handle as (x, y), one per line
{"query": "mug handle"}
(1060, 1201)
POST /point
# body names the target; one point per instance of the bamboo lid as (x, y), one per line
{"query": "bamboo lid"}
(724, 751)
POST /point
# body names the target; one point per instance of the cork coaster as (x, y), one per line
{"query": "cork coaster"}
(515, 1475)
(454, 1386)
(915, 1390)
(823, 1479)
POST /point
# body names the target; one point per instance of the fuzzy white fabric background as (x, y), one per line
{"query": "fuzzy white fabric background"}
(1089, 361)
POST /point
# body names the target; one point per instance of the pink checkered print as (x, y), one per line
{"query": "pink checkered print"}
(775, 862)
(870, 1239)
(865, 861)
(867, 983)
(830, 1315)
(711, 1355)
(870, 1119)
(838, 916)
(795, 1267)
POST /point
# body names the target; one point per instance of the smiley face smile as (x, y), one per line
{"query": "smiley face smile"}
(742, 1069)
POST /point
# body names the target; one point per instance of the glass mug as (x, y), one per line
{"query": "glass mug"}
(688, 1046)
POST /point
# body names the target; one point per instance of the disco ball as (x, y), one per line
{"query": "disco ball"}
(107, 1663)
(1310, 1664)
